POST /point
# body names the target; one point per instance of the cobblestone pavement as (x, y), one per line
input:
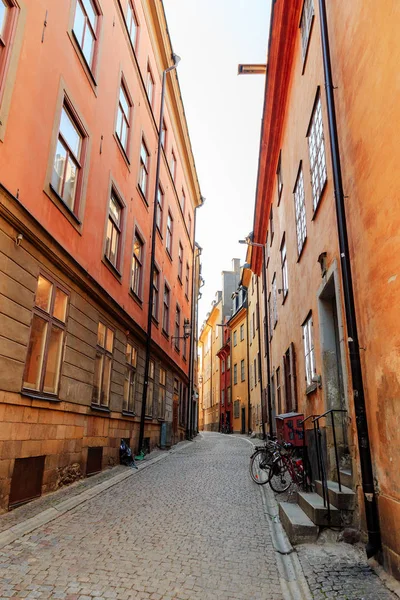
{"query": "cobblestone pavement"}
(190, 527)
(340, 571)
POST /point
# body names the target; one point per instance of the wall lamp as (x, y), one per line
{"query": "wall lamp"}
(187, 330)
(248, 241)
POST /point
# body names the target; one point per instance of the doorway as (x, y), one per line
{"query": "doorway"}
(243, 420)
(333, 349)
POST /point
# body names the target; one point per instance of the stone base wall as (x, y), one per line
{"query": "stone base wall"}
(62, 433)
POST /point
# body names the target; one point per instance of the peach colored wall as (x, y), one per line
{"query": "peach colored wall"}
(24, 156)
(304, 275)
(366, 51)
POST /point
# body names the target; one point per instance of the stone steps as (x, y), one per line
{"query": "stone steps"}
(299, 528)
(343, 500)
(313, 505)
(346, 477)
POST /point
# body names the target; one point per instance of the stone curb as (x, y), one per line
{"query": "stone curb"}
(292, 579)
(28, 525)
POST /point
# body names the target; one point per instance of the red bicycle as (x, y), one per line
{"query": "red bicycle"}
(287, 469)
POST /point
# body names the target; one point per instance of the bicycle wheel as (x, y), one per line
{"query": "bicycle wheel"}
(281, 478)
(260, 470)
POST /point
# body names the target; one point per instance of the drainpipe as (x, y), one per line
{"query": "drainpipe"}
(259, 361)
(248, 362)
(193, 333)
(370, 502)
(267, 342)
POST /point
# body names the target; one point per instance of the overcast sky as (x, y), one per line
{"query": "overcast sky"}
(224, 112)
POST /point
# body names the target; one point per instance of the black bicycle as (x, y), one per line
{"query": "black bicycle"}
(262, 461)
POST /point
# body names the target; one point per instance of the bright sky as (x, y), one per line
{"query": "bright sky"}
(224, 112)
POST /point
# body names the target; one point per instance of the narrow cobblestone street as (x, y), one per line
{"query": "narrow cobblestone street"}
(189, 527)
(192, 526)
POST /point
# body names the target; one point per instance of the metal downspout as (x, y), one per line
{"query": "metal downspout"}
(259, 361)
(248, 362)
(189, 409)
(370, 502)
(267, 343)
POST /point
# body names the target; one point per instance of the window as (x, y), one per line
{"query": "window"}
(255, 371)
(222, 397)
(150, 390)
(187, 279)
(160, 205)
(102, 367)
(43, 361)
(137, 265)
(177, 327)
(251, 330)
(173, 165)
(236, 409)
(274, 301)
(170, 223)
(305, 25)
(271, 224)
(130, 379)
(309, 354)
(165, 325)
(235, 379)
(300, 210)
(235, 337)
(114, 229)
(183, 201)
(85, 29)
(242, 374)
(228, 363)
(156, 292)
(164, 131)
(162, 393)
(284, 267)
(144, 168)
(279, 178)
(259, 366)
(270, 316)
(241, 333)
(8, 15)
(253, 323)
(228, 395)
(123, 118)
(132, 23)
(222, 365)
(180, 262)
(67, 166)
(279, 390)
(150, 86)
(316, 150)
(190, 224)
(290, 379)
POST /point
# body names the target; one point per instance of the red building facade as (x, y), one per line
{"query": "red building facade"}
(224, 355)
(77, 197)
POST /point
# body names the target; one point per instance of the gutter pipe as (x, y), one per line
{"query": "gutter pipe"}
(374, 544)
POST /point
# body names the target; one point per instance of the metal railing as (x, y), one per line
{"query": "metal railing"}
(306, 461)
(320, 461)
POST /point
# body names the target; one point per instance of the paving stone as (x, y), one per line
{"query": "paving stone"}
(189, 527)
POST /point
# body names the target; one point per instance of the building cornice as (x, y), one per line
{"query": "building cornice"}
(284, 30)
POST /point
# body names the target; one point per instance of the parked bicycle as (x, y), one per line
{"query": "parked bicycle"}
(276, 463)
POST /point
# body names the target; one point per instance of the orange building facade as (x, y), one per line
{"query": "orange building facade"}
(295, 218)
(80, 95)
